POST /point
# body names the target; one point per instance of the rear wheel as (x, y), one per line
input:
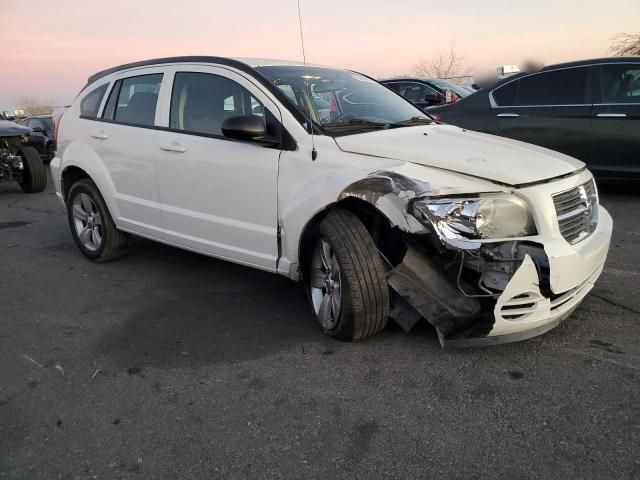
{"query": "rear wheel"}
(91, 224)
(34, 176)
(348, 289)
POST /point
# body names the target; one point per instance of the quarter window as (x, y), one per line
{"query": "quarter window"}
(90, 104)
(137, 100)
(620, 83)
(201, 102)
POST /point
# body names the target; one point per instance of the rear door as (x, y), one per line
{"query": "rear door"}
(616, 120)
(124, 141)
(551, 109)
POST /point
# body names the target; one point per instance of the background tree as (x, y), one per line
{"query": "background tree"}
(443, 64)
(34, 106)
(625, 44)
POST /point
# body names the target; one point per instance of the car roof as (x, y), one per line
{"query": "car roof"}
(406, 79)
(577, 63)
(239, 63)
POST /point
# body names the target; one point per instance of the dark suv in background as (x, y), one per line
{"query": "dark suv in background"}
(589, 110)
(41, 137)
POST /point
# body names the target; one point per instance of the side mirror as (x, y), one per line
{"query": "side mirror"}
(38, 130)
(246, 127)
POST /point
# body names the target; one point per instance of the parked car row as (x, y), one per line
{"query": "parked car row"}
(326, 176)
(589, 110)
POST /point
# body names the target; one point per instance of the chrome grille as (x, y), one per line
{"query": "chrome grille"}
(577, 211)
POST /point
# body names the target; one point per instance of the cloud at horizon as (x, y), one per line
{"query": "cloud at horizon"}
(52, 48)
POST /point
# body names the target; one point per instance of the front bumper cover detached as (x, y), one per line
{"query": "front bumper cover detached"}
(522, 310)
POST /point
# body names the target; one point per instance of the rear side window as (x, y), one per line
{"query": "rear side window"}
(201, 102)
(90, 104)
(620, 83)
(133, 100)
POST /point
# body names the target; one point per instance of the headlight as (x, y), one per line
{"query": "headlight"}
(488, 216)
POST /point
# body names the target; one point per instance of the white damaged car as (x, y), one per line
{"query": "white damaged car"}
(326, 176)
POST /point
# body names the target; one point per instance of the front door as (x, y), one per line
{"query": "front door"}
(616, 121)
(219, 196)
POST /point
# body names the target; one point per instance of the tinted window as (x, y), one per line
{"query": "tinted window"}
(91, 102)
(507, 95)
(201, 102)
(560, 87)
(395, 86)
(137, 100)
(620, 83)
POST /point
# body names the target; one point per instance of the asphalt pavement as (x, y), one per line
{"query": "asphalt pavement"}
(170, 365)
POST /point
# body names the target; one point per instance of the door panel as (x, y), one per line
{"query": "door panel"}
(219, 196)
(616, 121)
(563, 129)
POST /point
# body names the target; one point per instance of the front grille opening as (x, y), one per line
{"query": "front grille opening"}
(577, 212)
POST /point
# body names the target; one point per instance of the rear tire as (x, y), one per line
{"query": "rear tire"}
(348, 289)
(91, 224)
(34, 176)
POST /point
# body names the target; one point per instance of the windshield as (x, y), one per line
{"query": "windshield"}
(343, 102)
(455, 88)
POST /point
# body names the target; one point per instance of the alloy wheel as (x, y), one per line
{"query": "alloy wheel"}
(326, 285)
(87, 222)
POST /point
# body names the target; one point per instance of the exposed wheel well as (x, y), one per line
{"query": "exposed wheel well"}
(71, 175)
(387, 239)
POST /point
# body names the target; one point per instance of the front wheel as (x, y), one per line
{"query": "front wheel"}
(347, 285)
(91, 224)
(34, 175)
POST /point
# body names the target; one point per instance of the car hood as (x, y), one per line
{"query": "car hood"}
(451, 148)
(11, 129)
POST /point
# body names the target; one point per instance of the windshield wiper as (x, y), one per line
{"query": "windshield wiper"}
(411, 122)
(357, 122)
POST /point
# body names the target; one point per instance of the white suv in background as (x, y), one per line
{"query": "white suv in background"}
(383, 212)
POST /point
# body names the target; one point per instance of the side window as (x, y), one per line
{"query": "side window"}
(559, 87)
(201, 102)
(620, 83)
(90, 104)
(414, 92)
(133, 100)
(507, 95)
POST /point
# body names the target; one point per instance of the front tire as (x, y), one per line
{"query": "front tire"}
(91, 224)
(348, 289)
(34, 176)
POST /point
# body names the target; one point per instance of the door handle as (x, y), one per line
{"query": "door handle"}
(508, 115)
(173, 147)
(99, 134)
(611, 115)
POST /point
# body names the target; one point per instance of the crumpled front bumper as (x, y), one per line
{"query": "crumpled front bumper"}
(522, 311)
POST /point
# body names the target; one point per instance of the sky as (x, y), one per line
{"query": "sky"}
(49, 48)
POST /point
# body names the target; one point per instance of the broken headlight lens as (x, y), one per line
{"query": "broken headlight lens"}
(489, 216)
